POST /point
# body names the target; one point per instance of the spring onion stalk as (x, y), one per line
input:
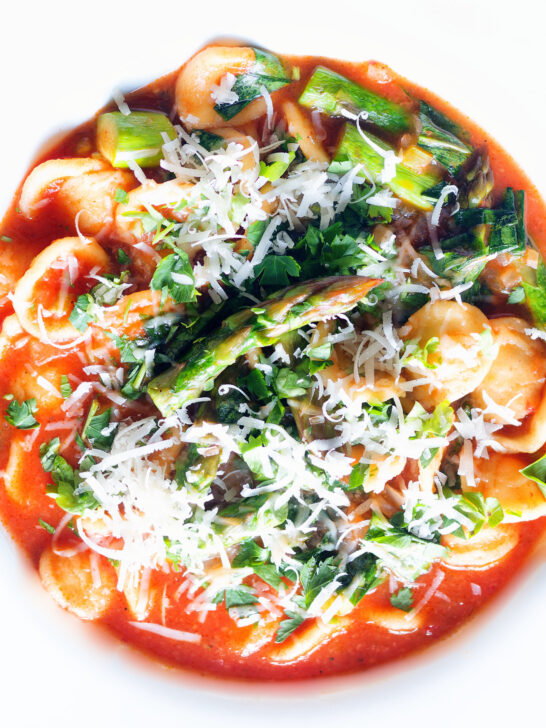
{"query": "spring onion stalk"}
(407, 184)
(333, 94)
(137, 137)
(253, 328)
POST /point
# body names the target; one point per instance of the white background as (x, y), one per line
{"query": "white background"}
(59, 62)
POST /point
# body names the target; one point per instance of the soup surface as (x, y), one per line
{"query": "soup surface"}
(272, 367)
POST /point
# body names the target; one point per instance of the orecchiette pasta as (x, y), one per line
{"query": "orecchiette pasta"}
(516, 377)
(48, 317)
(197, 81)
(460, 361)
(499, 477)
(76, 583)
(482, 551)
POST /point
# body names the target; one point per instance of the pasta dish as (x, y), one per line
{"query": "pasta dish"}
(272, 366)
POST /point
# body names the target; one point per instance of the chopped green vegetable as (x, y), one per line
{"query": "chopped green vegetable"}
(84, 312)
(69, 491)
(356, 148)
(121, 196)
(289, 383)
(253, 328)
(445, 146)
(358, 476)
(276, 270)
(122, 257)
(333, 94)
(535, 295)
(240, 596)
(137, 137)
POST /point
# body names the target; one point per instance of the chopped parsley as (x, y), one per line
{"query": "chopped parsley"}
(21, 414)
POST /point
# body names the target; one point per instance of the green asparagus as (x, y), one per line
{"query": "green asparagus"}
(408, 185)
(446, 148)
(260, 326)
(333, 94)
(137, 137)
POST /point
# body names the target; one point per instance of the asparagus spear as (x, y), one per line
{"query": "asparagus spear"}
(293, 308)
(447, 148)
(266, 72)
(136, 137)
(333, 94)
(477, 181)
(407, 184)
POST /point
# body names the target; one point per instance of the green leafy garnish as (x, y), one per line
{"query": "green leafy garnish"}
(276, 270)
(241, 596)
(69, 491)
(121, 196)
(537, 473)
(289, 383)
(66, 389)
(46, 526)
(84, 312)
(267, 73)
(123, 258)
(402, 599)
(174, 277)
(288, 625)
(21, 414)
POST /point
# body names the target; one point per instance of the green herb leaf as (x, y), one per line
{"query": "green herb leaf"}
(83, 312)
(402, 599)
(97, 428)
(517, 295)
(174, 277)
(123, 258)
(288, 625)
(66, 389)
(289, 383)
(47, 526)
(276, 270)
(358, 476)
(537, 473)
(266, 72)
(121, 196)
(315, 575)
(240, 596)
(21, 415)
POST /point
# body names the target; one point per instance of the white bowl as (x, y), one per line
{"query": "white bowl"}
(60, 63)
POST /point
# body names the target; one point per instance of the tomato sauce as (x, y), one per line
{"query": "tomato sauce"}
(363, 643)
